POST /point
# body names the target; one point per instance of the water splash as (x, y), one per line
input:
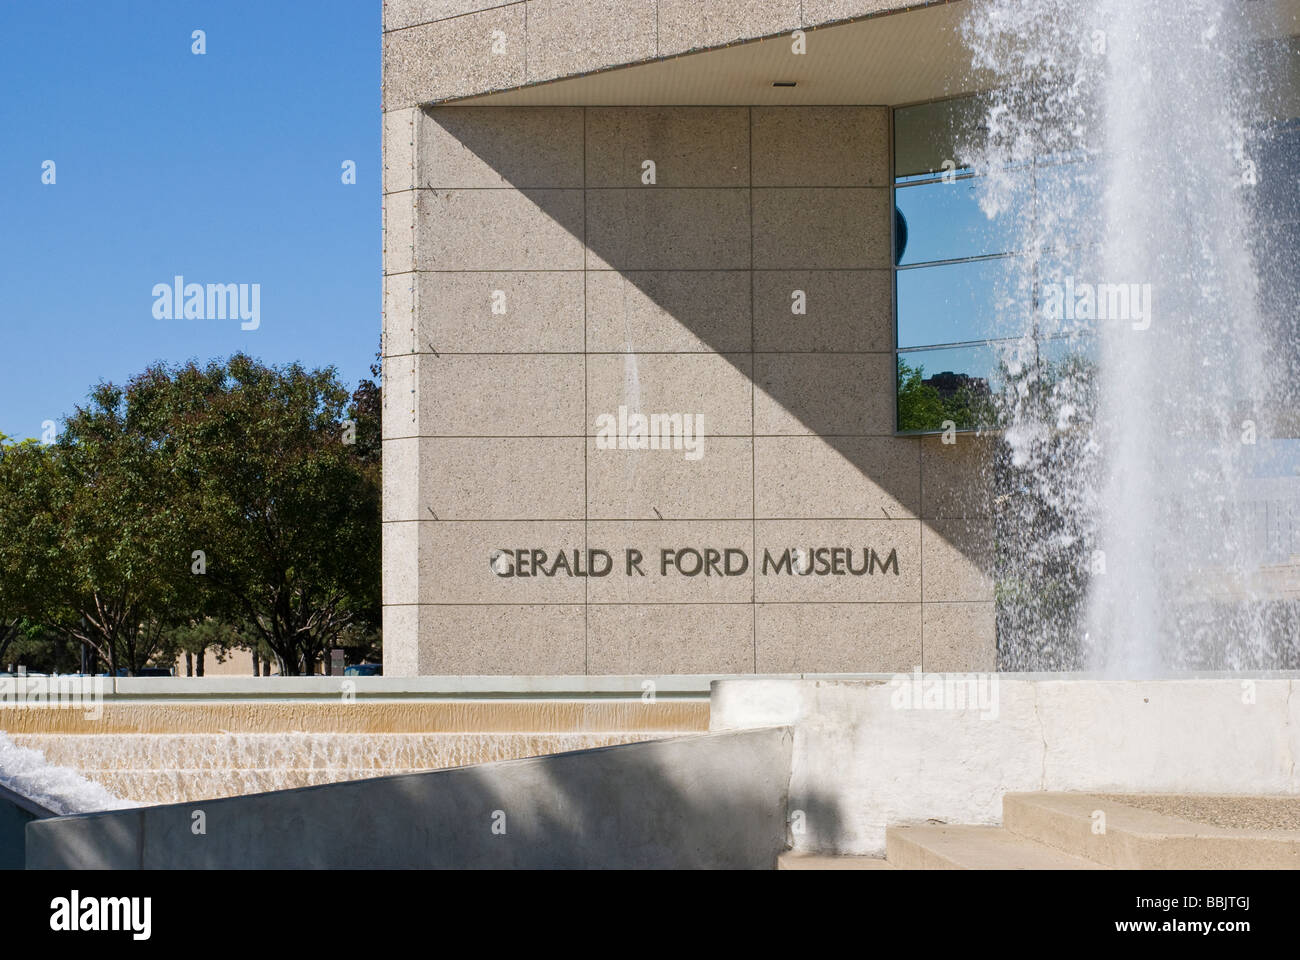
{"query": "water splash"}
(57, 788)
(1122, 464)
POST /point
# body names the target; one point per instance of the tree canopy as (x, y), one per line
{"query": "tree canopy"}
(234, 492)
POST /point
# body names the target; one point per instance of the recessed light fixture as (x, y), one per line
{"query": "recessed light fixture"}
(784, 83)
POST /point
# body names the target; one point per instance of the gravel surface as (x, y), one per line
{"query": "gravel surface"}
(1243, 813)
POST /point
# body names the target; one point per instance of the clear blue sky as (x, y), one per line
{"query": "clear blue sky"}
(224, 168)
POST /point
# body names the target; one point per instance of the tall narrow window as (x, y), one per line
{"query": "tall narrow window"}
(957, 271)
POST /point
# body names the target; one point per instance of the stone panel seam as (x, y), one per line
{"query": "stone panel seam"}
(454, 16)
(586, 400)
(654, 353)
(753, 402)
(720, 436)
(656, 603)
(654, 520)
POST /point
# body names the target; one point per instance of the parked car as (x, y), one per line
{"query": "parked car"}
(364, 670)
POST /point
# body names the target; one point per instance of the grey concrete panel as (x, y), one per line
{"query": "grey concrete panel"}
(713, 801)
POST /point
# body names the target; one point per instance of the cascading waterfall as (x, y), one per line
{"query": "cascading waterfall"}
(1129, 424)
(58, 788)
(172, 768)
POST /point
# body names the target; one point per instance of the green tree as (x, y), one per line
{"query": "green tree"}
(922, 407)
(193, 499)
(919, 405)
(282, 499)
(16, 569)
(41, 649)
(89, 534)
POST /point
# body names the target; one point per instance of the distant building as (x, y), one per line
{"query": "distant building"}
(949, 384)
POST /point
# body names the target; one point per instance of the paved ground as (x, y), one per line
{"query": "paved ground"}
(1245, 813)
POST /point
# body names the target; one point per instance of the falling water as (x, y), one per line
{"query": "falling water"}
(56, 787)
(1128, 440)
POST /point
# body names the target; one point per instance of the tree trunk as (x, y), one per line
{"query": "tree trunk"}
(8, 633)
(189, 664)
(257, 667)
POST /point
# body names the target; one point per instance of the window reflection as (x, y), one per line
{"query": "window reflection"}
(940, 386)
(958, 302)
(965, 293)
(945, 222)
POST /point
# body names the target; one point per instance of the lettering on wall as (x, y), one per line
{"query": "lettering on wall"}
(693, 562)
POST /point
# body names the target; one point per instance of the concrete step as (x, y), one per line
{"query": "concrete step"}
(951, 847)
(790, 860)
(1161, 831)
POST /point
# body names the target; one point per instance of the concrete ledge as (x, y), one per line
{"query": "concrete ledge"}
(413, 688)
(790, 860)
(25, 804)
(708, 801)
(440, 50)
(867, 754)
(577, 687)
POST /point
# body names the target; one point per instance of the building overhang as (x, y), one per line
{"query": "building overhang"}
(898, 53)
(898, 58)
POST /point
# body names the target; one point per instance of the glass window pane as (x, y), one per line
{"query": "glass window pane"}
(1068, 201)
(1070, 357)
(992, 298)
(958, 302)
(942, 220)
(939, 385)
(1060, 278)
(928, 134)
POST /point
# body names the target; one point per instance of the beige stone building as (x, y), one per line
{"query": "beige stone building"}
(595, 209)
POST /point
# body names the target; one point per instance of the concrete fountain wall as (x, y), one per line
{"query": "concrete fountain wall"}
(704, 801)
(872, 753)
(176, 740)
(823, 763)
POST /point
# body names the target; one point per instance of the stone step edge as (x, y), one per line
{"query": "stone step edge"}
(922, 847)
(798, 860)
(1135, 839)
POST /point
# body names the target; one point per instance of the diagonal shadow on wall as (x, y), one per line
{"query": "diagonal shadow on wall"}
(688, 287)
